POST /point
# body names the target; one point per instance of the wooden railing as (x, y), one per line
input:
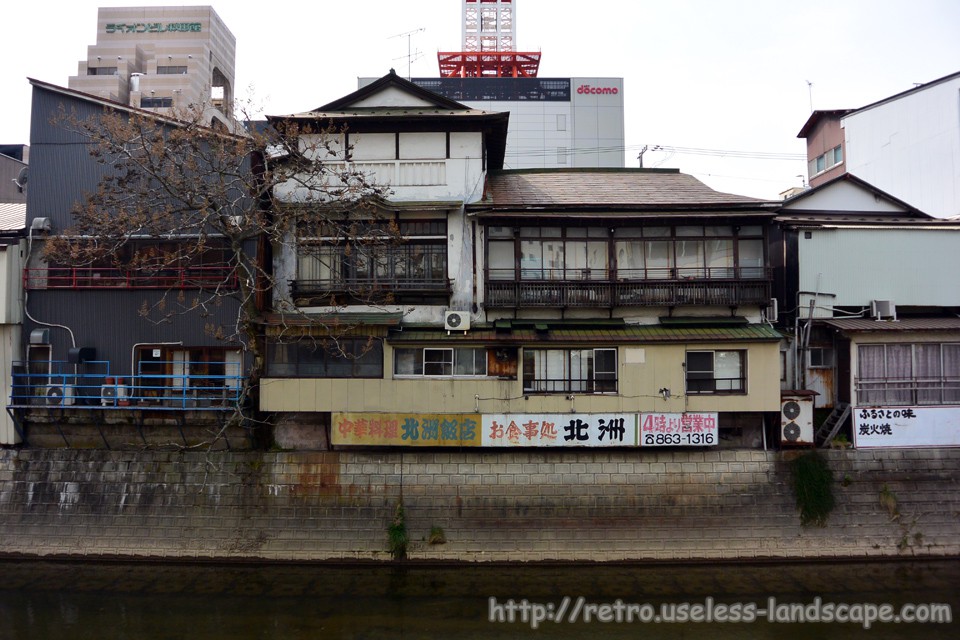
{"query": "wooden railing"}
(593, 288)
(370, 286)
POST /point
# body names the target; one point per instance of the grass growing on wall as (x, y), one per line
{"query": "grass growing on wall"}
(397, 537)
(813, 488)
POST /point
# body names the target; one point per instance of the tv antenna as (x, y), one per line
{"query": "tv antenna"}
(411, 55)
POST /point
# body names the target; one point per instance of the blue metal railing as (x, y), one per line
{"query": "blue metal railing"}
(187, 386)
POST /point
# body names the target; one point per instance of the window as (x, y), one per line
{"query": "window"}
(101, 71)
(155, 103)
(570, 370)
(908, 374)
(827, 160)
(359, 357)
(171, 70)
(440, 362)
(820, 357)
(716, 372)
(417, 260)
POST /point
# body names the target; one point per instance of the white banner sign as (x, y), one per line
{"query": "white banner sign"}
(678, 429)
(560, 430)
(906, 427)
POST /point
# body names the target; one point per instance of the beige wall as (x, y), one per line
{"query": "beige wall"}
(639, 385)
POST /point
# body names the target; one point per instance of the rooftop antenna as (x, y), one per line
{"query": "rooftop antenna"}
(810, 92)
(411, 55)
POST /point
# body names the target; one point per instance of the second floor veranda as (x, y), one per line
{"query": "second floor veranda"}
(607, 267)
(627, 288)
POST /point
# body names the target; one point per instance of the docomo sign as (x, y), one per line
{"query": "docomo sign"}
(587, 89)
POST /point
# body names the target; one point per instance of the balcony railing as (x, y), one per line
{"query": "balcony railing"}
(908, 391)
(114, 278)
(627, 287)
(370, 287)
(62, 388)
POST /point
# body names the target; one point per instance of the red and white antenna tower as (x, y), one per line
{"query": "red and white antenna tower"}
(489, 51)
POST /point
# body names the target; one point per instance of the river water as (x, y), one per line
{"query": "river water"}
(44, 600)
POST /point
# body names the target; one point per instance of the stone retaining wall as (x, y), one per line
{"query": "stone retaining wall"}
(506, 506)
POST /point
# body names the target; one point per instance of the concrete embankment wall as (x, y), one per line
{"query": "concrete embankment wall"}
(510, 505)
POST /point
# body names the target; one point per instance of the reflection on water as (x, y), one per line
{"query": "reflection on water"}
(46, 600)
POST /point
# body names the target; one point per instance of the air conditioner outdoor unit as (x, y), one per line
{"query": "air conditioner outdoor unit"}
(883, 309)
(772, 313)
(59, 395)
(456, 321)
(796, 420)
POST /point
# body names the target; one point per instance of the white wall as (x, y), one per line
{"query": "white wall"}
(910, 147)
(852, 266)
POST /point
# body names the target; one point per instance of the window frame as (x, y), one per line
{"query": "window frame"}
(359, 359)
(454, 361)
(593, 385)
(710, 375)
(909, 391)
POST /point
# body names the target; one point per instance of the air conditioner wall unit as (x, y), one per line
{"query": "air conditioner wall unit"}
(796, 419)
(772, 312)
(60, 395)
(456, 321)
(883, 309)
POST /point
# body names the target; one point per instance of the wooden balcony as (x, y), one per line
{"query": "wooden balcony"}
(653, 288)
(372, 288)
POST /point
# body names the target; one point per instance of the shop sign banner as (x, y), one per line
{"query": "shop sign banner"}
(406, 429)
(678, 429)
(882, 427)
(560, 430)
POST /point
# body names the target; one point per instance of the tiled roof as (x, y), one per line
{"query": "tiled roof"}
(605, 188)
(13, 216)
(639, 334)
(859, 325)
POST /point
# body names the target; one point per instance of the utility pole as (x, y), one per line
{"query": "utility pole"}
(640, 157)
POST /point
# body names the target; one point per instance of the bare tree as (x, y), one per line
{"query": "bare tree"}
(176, 193)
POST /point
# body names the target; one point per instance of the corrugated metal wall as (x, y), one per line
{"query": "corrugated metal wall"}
(908, 266)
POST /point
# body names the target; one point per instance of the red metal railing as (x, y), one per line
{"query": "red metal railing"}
(114, 278)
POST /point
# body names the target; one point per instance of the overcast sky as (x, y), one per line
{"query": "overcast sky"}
(726, 77)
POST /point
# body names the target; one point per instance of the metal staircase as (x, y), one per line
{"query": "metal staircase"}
(830, 426)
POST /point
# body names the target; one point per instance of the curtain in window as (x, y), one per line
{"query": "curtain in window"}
(630, 260)
(659, 254)
(690, 258)
(900, 374)
(719, 257)
(951, 373)
(929, 379)
(871, 373)
(751, 258)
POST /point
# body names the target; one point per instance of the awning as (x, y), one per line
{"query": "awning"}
(634, 334)
(869, 325)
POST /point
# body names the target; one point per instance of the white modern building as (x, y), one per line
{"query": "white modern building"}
(554, 122)
(908, 145)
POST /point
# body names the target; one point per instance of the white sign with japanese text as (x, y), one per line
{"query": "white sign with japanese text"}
(560, 430)
(678, 429)
(876, 427)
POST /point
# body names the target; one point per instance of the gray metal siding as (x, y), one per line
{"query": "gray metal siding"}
(111, 322)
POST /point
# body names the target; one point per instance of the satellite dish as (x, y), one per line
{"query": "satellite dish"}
(21, 179)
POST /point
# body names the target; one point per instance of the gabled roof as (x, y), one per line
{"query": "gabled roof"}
(886, 209)
(392, 103)
(391, 80)
(908, 92)
(817, 116)
(607, 190)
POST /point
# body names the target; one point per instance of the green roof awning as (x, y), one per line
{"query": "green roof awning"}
(632, 334)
